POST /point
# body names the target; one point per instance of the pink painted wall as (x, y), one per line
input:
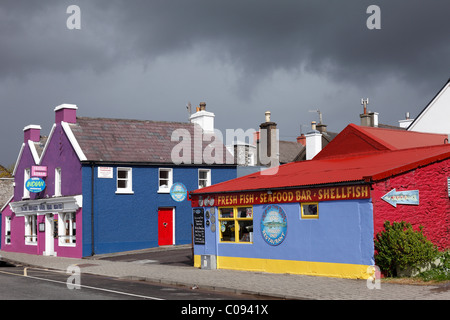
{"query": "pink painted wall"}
(59, 153)
(433, 211)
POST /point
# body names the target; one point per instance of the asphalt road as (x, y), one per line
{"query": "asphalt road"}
(41, 284)
(175, 257)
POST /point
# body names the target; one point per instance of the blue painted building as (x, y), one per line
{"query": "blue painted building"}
(108, 184)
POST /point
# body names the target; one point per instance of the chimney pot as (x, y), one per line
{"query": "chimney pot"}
(202, 106)
(267, 116)
(313, 125)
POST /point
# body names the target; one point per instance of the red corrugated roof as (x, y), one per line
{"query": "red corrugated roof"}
(359, 168)
(358, 140)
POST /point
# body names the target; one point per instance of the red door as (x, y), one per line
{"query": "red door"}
(165, 226)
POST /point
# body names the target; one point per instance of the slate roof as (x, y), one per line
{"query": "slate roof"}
(289, 151)
(134, 141)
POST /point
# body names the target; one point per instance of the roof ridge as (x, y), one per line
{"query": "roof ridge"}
(133, 120)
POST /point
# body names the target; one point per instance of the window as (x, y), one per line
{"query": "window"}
(165, 180)
(67, 229)
(310, 210)
(58, 182)
(26, 176)
(204, 178)
(124, 180)
(236, 224)
(31, 229)
(7, 230)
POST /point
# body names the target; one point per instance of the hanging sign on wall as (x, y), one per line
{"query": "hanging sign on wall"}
(178, 192)
(394, 197)
(274, 225)
(35, 185)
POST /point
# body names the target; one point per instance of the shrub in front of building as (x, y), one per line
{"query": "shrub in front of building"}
(400, 247)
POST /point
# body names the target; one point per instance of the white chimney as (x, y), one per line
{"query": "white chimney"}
(406, 122)
(313, 142)
(203, 118)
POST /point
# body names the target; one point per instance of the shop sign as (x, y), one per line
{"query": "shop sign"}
(105, 173)
(283, 196)
(394, 197)
(35, 185)
(199, 226)
(38, 171)
(178, 192)
(274, 225)
(43, 207)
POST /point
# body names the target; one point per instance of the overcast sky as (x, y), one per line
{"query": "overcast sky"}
(146, 59)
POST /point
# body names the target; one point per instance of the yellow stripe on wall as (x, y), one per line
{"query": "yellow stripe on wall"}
(324, 269)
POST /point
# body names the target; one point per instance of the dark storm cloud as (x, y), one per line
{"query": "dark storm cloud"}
(286, 55)
(256, 36)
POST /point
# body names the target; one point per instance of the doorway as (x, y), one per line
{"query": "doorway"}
(49, 236)
(166, 226)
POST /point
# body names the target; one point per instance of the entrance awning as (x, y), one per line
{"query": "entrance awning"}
(49, 205)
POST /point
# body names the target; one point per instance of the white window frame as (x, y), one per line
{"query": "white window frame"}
(26, 176)
(31, 229)
(62, 229)
(7, 230)
(208, 177)
(129, 181)
(166, 189)
(58, 182)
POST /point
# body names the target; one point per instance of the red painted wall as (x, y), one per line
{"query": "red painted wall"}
(433, 211)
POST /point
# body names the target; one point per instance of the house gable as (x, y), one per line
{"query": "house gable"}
(434, 117)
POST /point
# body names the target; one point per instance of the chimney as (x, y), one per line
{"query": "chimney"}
(368, 119)
(268, 153)
(66, 113)
(301, 139)
(256, 137)
(203, 118)
(405, 123)
(313, 142)
(32, 132)
(321, 127)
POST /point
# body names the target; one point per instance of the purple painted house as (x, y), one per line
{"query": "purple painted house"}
(107, 187)
(45, 223)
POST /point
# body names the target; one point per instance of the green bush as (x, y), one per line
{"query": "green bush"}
(439, 273)
(401, 247)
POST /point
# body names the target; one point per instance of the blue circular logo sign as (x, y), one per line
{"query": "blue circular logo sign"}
(35, 185)
(178, 192)
(274, 225)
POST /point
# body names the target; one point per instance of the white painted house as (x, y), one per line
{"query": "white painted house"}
(435, 117)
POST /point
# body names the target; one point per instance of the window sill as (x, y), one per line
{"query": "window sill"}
(68, 245)
(124, 192)
(163, 191)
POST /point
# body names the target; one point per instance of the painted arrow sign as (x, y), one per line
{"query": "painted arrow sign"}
(394, 197)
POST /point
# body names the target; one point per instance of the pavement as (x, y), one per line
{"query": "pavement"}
(172, 266)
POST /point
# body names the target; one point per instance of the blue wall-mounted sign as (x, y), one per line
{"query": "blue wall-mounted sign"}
(35, 185)
(394, 197)
(178, 192)
(274, 225)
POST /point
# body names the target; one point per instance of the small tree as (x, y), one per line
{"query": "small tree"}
(399, 247)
